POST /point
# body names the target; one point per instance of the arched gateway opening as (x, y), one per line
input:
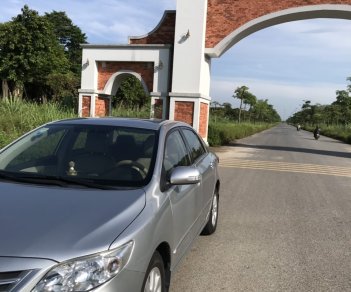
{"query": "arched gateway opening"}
(178, 51)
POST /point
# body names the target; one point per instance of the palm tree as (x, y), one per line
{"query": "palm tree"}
(251, 100)
(240, 93)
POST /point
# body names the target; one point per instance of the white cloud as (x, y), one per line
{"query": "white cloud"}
(103, 21)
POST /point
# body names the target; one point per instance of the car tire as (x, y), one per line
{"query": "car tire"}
(155, 280)
(211, 224)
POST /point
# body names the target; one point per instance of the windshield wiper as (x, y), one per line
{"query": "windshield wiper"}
(52, 180)
(84, 182)
(7, 175)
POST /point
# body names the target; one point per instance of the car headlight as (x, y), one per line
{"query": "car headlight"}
(86, 273)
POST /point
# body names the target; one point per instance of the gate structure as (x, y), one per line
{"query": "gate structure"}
(173, 62)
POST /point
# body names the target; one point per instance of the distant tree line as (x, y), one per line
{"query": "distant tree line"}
(251, 109)
(337, 113)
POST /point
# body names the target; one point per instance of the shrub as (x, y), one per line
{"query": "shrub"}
(225, 132)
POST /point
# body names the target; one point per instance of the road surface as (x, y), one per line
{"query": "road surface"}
(285, 218)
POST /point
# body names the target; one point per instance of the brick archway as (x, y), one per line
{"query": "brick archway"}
(105, 66)
(109, 71)
(228, 23)
(179, 50)
(205, 29)
(114, 82)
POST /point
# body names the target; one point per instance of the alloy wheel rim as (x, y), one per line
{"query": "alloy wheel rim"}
(154, 281)
(214, 210)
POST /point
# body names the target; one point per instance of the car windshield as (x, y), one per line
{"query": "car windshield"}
(107, 155)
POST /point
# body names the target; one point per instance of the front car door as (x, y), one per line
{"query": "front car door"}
(205, 162)
(184, 199)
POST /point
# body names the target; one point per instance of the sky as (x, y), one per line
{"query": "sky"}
(286, 63)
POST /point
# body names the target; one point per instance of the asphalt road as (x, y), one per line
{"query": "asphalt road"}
(285, 218)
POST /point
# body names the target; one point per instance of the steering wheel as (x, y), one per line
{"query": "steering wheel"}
(134, 165)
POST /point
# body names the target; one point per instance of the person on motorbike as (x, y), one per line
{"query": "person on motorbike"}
(298, 127)
(316, 132)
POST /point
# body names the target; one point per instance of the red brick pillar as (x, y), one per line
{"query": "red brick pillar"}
(192, 110)
(94, 105)
(102, 106)
(203, 118)
(85, 105)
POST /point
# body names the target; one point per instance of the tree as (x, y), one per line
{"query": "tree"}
(131, 93)
(70, 37)
(343, 102)
(250, 100)
(240, 93)
(29, 51)
(215, 104)
(264, 112)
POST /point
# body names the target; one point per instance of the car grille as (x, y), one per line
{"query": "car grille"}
(8, 280)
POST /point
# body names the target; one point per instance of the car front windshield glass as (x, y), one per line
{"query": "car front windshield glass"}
(108, 155)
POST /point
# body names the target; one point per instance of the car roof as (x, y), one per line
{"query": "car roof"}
(151, 124)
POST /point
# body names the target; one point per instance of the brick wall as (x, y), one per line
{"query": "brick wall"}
(184, 111)
(203, 119)
(86, 106)
(164, 33)
(107, 69)
(224, 16)
(102, 105)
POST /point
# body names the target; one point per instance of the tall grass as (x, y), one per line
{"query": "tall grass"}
(132, 112)
(17, 118)
(224, 132)
(342, 133)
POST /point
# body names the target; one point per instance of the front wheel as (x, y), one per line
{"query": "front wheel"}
(155, 280)
(211, 224)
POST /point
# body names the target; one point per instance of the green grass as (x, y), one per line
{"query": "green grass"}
(17, 118)
(341, 133)
(136, 112)
(224, 132)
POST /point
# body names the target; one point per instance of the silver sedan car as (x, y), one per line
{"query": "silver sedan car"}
(103, 204)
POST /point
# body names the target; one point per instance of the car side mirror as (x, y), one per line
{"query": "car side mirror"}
(185, 175)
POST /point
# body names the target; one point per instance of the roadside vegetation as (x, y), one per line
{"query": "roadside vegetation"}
(228, 124)
(224, 132)
(17, 118)
(40, 57)
(333, 119)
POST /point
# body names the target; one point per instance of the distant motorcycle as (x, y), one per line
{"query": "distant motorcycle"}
(298, 127)
(316, 133)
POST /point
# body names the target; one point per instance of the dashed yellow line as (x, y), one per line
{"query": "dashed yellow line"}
(287, 167)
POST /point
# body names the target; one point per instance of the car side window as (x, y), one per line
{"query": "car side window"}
(175, 152)
(196, 147)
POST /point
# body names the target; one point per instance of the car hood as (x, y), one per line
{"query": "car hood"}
(62, 223)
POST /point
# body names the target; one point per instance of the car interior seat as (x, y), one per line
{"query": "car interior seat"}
(95, 158)
(146, 152)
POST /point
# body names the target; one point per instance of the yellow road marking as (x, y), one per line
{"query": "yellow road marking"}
(287, 167)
